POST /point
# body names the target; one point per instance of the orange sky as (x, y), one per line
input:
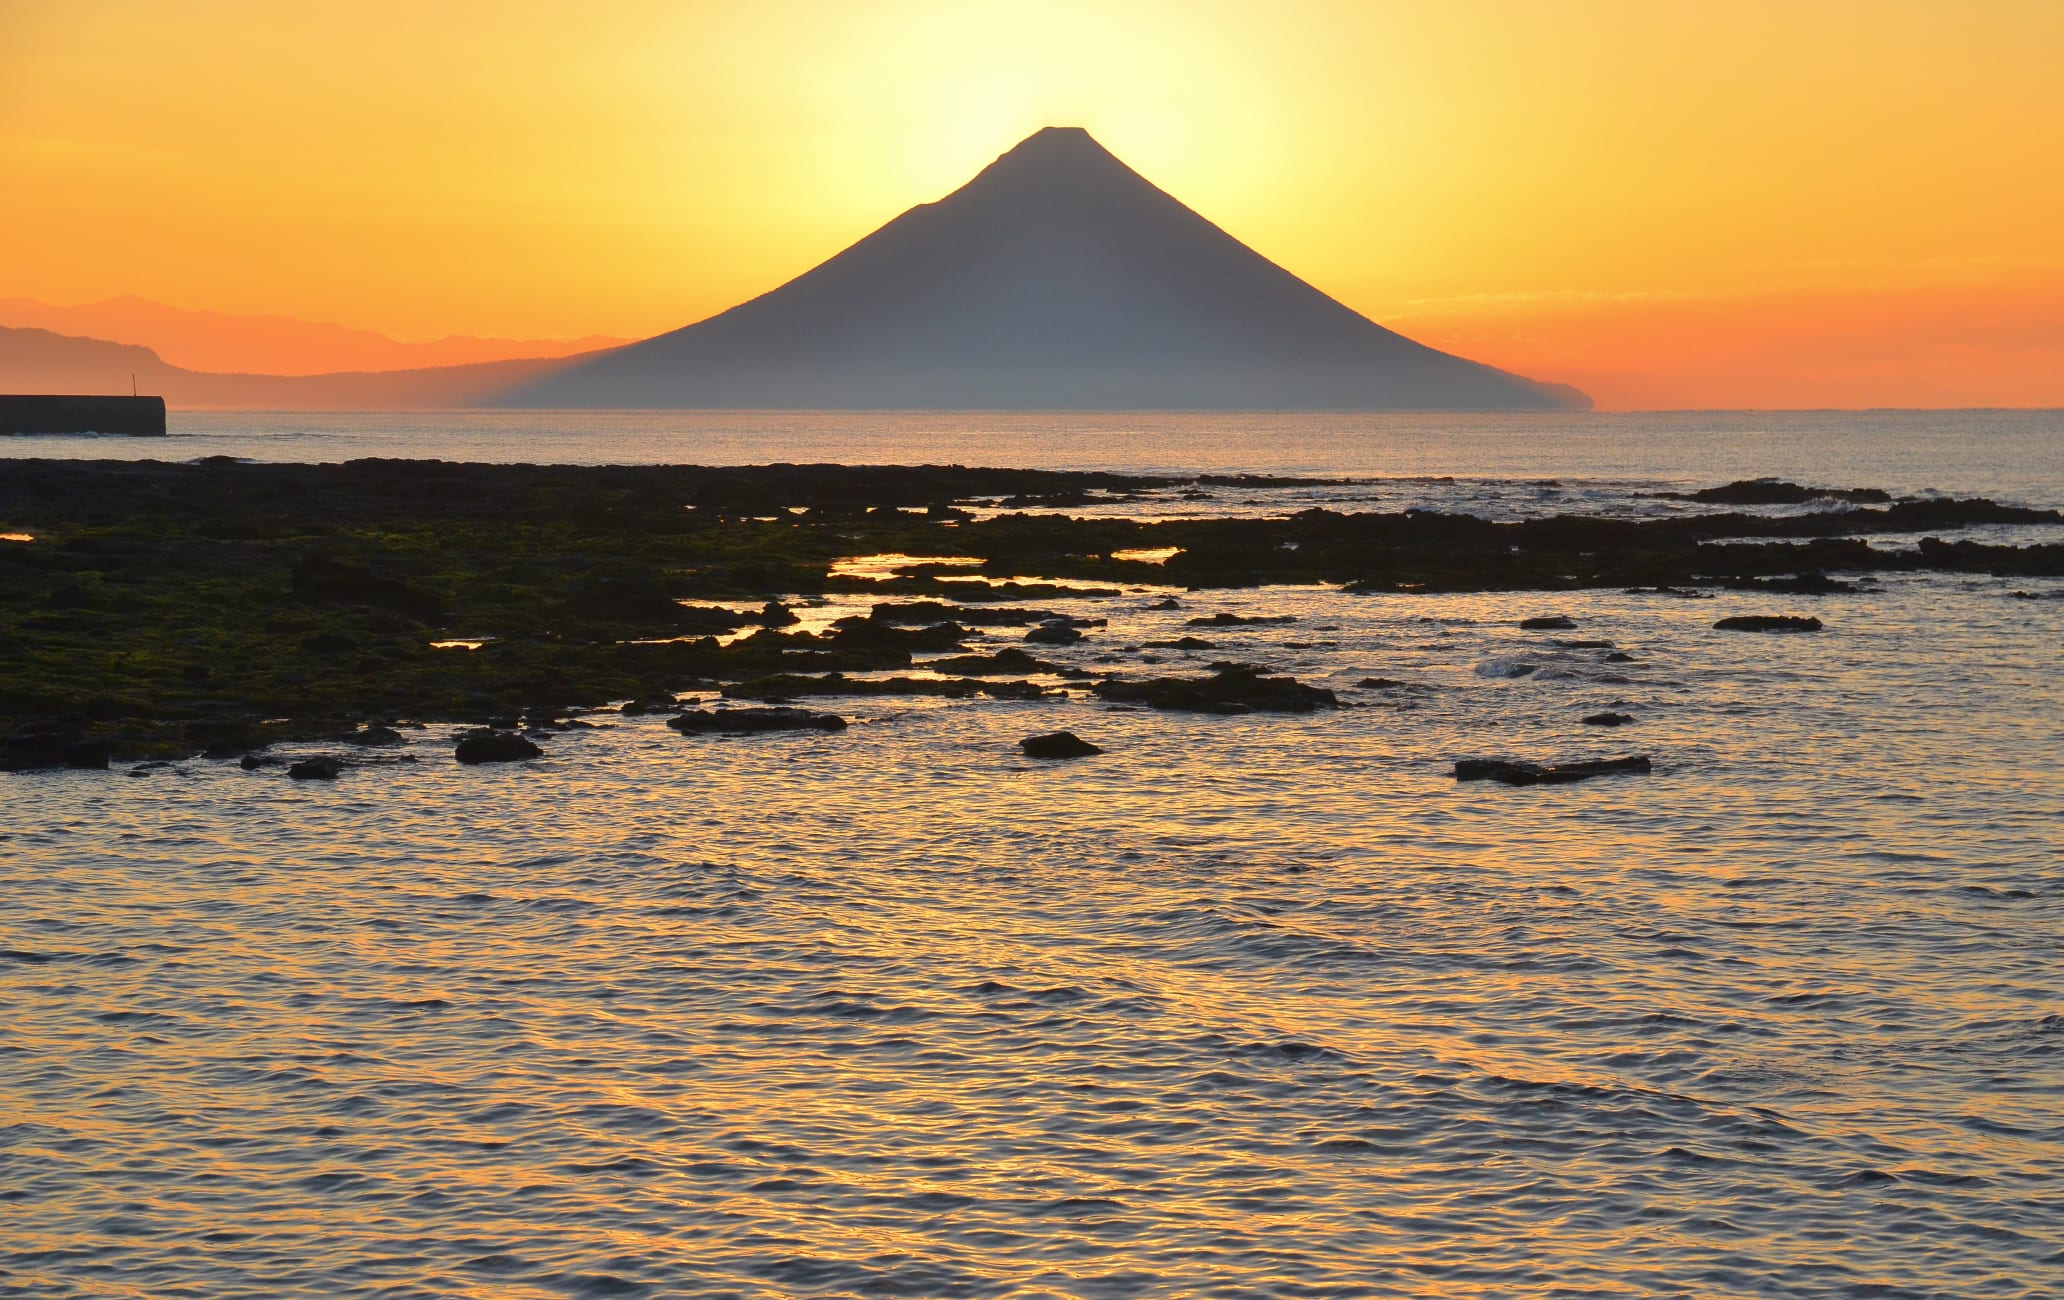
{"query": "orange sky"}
(1760, 204)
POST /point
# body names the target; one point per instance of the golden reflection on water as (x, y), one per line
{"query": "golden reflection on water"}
(1247, 1005)
(892, 564)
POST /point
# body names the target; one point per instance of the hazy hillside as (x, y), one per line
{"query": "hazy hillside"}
(39, 361)
(270, 345)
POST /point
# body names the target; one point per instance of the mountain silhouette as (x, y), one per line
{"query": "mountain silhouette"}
(1058, 278)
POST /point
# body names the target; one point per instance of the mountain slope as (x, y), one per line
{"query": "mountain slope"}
(1057, 278)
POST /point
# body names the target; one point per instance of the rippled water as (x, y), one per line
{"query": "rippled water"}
(1247, 1006)
(2018, 454)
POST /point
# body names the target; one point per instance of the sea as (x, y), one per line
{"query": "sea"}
(1253, 1005)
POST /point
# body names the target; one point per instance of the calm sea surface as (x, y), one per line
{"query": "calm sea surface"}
(1250, 1005)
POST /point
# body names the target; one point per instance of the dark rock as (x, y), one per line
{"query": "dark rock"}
(650, 704)
(638, 600)
(1182, 643)
(320, 580)
(379, 737)
(1548, 623)
(1608, 719)
(1233, 688)
(749, 721)
(487, 745)
(1222, 619)
(320, 768)
(252, 762)
(1803, 584)
(1053, 633)
(1378, 683)
(225, 737)
(933, 611)
(776, 614)
(1057, 744)
(1768, 623)
(1778, 492)
(1573, 644)
(328, 645)
(41, 747)
(1010, 659)
(874, 636)
(1516, 773)
(1166, 602)
(781, 688)
(1619, 657)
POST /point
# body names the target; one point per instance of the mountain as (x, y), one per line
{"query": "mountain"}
(269, 345)
(40, 361)
(1058, 278)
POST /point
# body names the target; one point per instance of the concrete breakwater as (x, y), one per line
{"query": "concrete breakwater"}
(66, 413)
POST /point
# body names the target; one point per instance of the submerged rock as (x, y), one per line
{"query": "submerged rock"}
(490, 746)
(1768, 623)
(1223, 619)
(377, 737)
(322, 767)
(1058, 744)
(1232, 688)
(1510, 772)
(1608, 719)
(748, 721)
(1182, 643)
(1505, 668)
(1548, 623)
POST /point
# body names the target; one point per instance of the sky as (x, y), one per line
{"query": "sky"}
(1807, 203)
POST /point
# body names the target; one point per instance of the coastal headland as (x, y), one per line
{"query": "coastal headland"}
(155, 610)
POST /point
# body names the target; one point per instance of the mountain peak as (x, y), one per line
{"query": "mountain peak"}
(1057, 277)
(1053, 154)
(1058, 137)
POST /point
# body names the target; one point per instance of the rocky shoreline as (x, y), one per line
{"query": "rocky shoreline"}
(152, 610)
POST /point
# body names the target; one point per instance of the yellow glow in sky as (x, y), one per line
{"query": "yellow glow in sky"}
(1524, 182)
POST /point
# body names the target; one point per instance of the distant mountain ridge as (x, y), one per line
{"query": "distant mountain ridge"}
(1058, 278)
(40, 361)
(270, 345)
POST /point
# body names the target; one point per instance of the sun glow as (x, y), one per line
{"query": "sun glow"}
(1529, 184)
